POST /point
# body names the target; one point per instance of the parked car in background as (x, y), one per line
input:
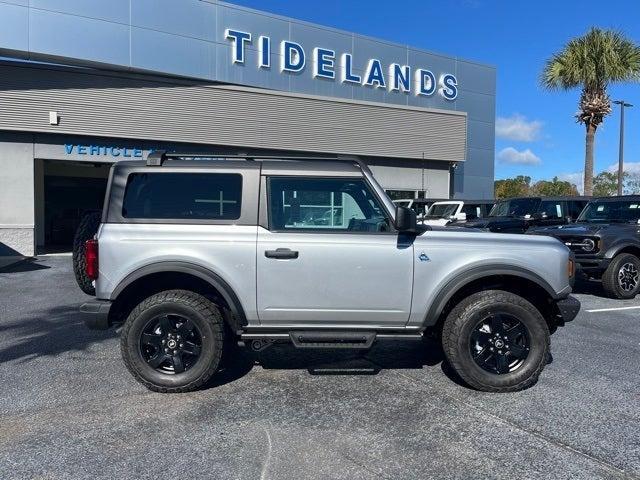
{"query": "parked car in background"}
(606, 243)
(455, 211)
(517, 215)
(418, 205)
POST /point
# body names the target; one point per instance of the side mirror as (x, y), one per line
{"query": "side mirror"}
(405, 219)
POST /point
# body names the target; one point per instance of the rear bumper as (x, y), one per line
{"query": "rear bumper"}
(568, 308)
(96, 314)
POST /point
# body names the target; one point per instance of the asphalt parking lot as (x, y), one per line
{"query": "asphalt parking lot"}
(69, 409)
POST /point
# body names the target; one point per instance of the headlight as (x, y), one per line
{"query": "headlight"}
(588, 245)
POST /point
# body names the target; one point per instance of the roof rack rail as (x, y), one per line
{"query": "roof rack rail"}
(157, 157)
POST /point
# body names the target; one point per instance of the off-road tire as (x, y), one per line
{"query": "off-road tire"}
(610, 277)
(202, 312)
(86, 230)
(460, 323)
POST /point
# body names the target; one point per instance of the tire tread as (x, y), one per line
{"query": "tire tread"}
(455, 322)
(205, 307)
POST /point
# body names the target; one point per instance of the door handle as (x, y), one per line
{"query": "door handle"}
(281, 253)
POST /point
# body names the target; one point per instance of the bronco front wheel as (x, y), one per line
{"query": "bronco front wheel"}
(496, 341)
(172, 341)
(621, 279)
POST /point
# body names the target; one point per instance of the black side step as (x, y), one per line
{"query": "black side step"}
(315, 339)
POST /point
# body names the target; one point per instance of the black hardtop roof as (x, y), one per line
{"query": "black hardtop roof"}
(464, 200)
(624, 198)
(569, 197)
(269, 164)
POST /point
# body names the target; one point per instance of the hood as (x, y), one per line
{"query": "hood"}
(572, 229)
(479, 223)
(436, 221)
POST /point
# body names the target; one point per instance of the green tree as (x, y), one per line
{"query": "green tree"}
(592, 62)
(605, 184)
(632, 183)
(512, 187)
(555, 187)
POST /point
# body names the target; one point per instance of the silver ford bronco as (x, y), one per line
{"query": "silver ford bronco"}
(196, 255)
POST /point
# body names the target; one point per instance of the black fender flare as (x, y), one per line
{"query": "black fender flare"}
(461, 279)
(616, 249)
(203, 273)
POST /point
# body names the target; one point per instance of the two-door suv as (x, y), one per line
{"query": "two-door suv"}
(606, 243)
(195, 255)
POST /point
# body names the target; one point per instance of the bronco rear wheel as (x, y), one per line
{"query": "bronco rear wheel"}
(172, 342)
(496, 341)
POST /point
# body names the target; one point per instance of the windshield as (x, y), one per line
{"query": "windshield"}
(611, 211)
(515, 207)
(442, 210)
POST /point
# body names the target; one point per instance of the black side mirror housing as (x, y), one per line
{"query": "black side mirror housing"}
(405, 219)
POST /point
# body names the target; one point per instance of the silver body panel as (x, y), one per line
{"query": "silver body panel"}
(374, 280)
(453, 252)
(339, 279)
(227, 250)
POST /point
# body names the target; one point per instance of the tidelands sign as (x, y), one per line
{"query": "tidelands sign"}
(328, 64)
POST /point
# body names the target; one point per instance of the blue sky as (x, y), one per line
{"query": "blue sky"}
(516, 37)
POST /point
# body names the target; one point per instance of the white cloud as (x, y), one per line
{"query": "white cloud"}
(630, 167)
(576, 178)
(518, 128)
(515, 157)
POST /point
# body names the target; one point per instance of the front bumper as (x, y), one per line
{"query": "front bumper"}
(589, 264)
(96, 314)
(568, 308)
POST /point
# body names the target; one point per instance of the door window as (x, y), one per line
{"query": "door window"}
(552, 209)
(324, 204)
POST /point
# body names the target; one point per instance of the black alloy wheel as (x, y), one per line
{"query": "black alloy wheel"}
(173, 341)
(500, 343)
(170, 343)
(496, 341)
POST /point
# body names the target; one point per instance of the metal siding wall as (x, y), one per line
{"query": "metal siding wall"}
(104, 105)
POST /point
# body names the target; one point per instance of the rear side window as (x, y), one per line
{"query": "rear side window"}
(183, 196)
(472, 211)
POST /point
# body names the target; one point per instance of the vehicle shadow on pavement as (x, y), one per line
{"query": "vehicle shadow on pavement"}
(47, 333)
(27, 265)
(387, 355)
(589, 287)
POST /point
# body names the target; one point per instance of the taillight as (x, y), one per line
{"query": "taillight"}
(91, 256)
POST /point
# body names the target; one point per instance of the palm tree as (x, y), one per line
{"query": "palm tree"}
(592, 62)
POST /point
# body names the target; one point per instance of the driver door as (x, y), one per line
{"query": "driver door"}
(330, 256)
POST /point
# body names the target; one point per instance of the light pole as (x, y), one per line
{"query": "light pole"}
(622, 104)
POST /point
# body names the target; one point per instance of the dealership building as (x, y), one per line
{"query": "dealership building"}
(86, 83)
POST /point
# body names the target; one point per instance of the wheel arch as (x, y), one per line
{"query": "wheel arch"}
(513, 279)
(165, 275)
(632, 248)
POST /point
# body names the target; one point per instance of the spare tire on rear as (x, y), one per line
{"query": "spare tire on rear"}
(86, 230)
